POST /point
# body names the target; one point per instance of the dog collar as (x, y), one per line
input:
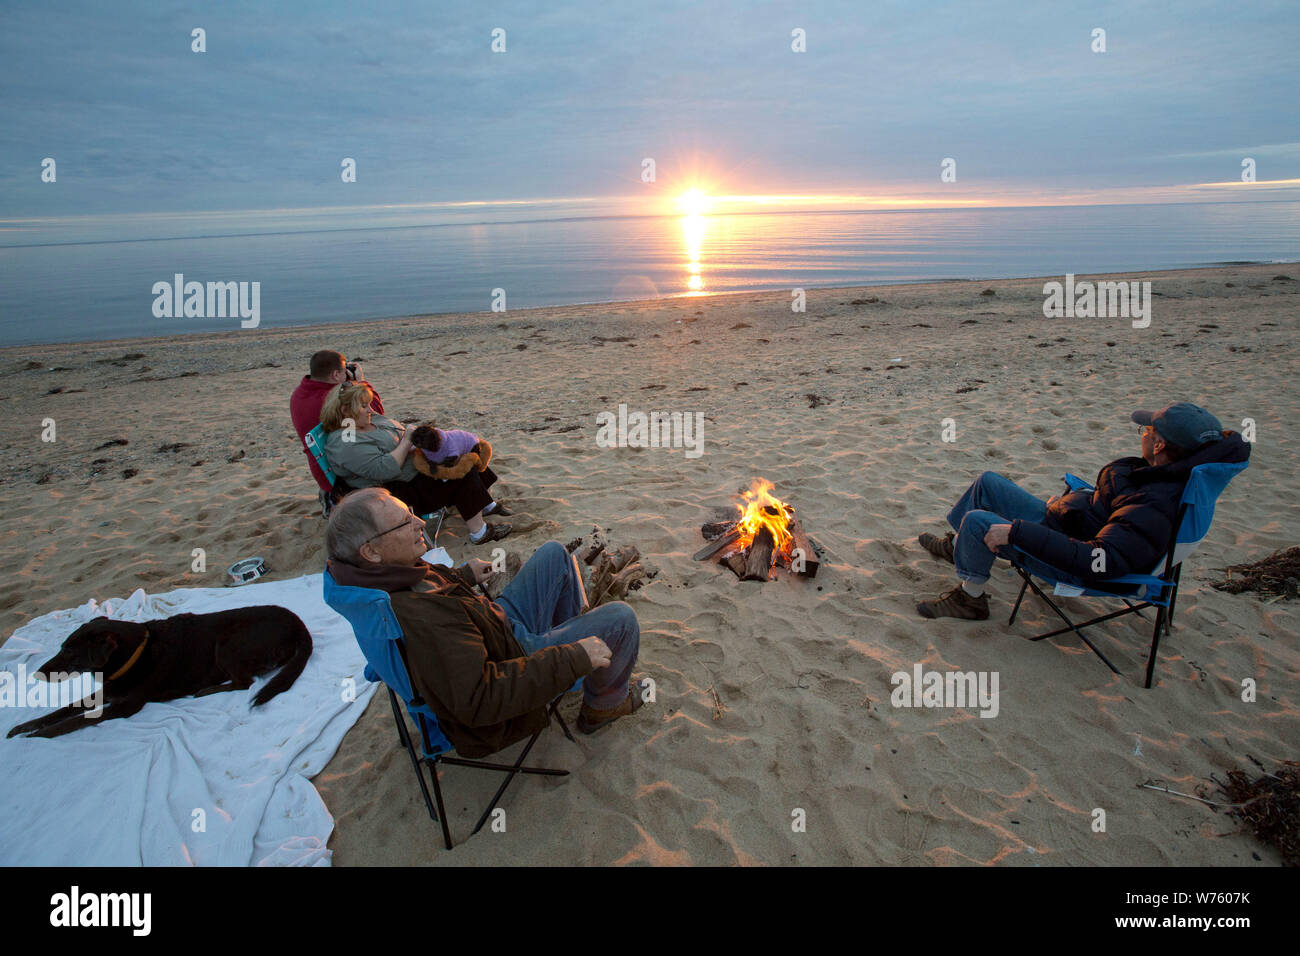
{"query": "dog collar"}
(130, 661)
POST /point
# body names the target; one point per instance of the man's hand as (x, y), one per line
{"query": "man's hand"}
(482, 569)
(997, 536)
(597, 650)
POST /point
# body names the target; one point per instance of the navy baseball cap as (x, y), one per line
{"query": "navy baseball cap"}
(1182, 423)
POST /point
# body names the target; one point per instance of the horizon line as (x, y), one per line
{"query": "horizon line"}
(849, 202)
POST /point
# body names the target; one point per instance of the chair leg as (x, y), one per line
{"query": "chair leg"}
(1173, 600)
(1023, 587)
(504, 767)
(1073, 627)
(1136, 608)
(1155, 643)
(505, 783)
(564, 726)
(404, 735)
(510, 770)
(437, 792)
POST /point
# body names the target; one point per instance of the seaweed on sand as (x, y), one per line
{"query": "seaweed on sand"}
(1269, 806)
(1278, 574)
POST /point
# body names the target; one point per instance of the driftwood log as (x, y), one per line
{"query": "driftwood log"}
(714, 529)
(811, 562)
(611, 576)
(497, 583)
(758, 559)
(718, 544)
(736, 562)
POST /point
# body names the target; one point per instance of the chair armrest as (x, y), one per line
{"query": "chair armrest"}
(1150, 580)
(1075, 483)
(1132, 580)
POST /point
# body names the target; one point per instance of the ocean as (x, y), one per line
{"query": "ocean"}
(95, 277)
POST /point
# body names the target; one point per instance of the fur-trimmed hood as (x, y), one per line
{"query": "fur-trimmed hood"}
(477, 459)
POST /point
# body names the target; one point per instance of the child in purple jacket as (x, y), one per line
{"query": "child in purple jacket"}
(449, 453)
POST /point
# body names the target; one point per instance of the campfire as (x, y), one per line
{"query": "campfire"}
(764, 535)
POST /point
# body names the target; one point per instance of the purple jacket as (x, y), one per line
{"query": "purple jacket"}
(452, 443)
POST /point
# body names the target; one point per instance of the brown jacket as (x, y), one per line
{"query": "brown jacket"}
(465, 662)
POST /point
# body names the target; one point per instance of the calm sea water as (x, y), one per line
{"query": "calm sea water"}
(87, 279)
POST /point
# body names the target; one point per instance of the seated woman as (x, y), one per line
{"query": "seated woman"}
(379, 452)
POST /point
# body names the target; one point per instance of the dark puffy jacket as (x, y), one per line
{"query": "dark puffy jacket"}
(1130, 515)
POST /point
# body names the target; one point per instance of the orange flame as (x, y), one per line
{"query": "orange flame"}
(761, 510)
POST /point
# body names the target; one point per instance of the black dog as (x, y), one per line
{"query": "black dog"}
(189, 654)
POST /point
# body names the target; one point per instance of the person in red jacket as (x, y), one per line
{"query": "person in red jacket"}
(328, 369)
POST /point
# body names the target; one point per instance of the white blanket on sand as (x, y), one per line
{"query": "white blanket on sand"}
(204, 781)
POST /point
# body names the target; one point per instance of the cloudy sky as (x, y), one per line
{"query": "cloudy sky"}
(713, 92)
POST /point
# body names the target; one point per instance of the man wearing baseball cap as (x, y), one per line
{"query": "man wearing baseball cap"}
(1121, 527)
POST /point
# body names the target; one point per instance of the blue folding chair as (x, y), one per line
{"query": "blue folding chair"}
(315, 442)
(1159, 589)
(379, 635)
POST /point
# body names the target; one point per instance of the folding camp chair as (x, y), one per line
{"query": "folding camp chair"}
(377, 631)
(315, 442)
(1159, 589)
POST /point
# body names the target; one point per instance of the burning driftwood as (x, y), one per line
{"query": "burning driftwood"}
(764, 535)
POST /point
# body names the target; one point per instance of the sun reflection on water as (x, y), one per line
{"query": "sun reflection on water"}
(694, 228)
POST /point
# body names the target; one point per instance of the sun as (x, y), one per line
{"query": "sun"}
(694, 202)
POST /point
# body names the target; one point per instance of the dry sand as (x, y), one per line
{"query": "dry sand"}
(770, 697)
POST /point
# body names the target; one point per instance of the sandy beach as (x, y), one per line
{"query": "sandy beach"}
(775, 697)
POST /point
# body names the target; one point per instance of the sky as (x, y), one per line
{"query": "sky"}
(585, 91)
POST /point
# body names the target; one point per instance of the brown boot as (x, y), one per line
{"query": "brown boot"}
(590, 719)
(956, 603)
(941, 548)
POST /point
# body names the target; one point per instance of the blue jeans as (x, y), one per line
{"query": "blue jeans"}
(545, 604)
(992, 499)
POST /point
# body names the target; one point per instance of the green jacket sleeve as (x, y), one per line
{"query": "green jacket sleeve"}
(367, 457)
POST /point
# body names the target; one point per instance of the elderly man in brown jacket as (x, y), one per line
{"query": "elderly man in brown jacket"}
(487, 669)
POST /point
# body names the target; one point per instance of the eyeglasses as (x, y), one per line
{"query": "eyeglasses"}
(1144, 429)
(405, 523)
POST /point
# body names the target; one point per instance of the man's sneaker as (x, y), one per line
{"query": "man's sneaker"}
(939, 547)
(325, 503)
(491, 532)
(956, 603)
